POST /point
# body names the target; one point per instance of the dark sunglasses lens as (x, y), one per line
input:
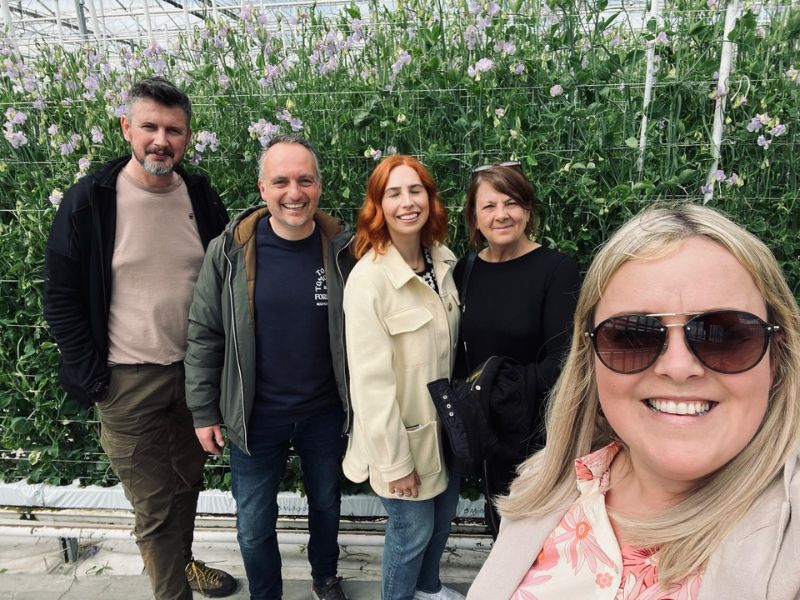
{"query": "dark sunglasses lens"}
(630, 343)
(727, 341)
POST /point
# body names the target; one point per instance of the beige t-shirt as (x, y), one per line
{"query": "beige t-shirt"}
(157, 256)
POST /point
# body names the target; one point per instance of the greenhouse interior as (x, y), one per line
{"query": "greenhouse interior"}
(608, 106)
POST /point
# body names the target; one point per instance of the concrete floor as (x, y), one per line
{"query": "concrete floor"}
(108, 565)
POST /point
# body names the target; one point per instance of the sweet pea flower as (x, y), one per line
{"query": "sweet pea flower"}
(505, 48)
(778, 130)
(17, 139)
(518, 69)
(754, 125)
(474, 8)
(263, 131)
(763, 142)
(481, 66)
(84, 164)
(500, 113)
(206, 139)
(401, 61)
(556, 90)
(15, 117)
(56, 197)
(373, 153)
(493, 9)
(718, 175)
(706, 189)
(662, 39)
(793, 74)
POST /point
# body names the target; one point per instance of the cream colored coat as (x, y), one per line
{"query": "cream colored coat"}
(400, 336)
(758, 560)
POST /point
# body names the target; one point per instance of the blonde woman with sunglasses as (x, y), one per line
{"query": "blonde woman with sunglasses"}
(671, 467)
(518, 301)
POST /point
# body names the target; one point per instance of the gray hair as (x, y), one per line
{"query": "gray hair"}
(287, 139)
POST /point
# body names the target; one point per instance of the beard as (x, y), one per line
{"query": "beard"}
(157, 168)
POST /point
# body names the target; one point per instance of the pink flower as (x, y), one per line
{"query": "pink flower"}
(582, 547)
(531, 580)
(556, 90)
(603, 580)
(548, 555)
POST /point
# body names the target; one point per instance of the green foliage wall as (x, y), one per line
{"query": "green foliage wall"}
(558, 85)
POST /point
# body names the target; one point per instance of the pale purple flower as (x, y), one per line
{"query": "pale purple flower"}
(90, 84)
(733, 179)
(661, 38)
(84, 164)
(754, 125)
(505, 47)
(493, 9)
(401, 61)
(206, 139)
(763, 142)
(707, 188)
(616, 41)
(712, 4)
(75, 139)
(66, 148)
(153, 50)
(296, 124)
(556, 90)
(246, 12)
(224, 81)
(481, 66)
(120, 110)
(15, 117)
(263, 131)
(471, 36)
(135, 63)
(373, 153)
(39, 104)
(390, 150)
(159, 67)
(519, 69)
(15, 138)
(718, 175)
(764, 118)
(483, 23)
(474, 8)
(793, 74)
(778, 130)
(53, 129)
(56, 197)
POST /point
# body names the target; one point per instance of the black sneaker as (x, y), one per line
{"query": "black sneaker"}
(330, 589)
(209, 582)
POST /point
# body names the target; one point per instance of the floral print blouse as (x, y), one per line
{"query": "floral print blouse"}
(582, 558)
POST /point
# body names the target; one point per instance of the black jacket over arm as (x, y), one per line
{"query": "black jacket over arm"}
(77, 273)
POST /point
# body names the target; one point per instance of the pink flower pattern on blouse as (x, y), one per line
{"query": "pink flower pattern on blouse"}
(582, 558)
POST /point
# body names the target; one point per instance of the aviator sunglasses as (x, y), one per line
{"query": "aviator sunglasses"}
(725, 341)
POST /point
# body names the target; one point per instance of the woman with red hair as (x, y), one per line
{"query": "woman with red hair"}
(401, 321)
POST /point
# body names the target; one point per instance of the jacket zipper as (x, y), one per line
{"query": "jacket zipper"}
(341, 342)
(236, 344)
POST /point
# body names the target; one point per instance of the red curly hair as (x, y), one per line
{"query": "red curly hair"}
(371, 230)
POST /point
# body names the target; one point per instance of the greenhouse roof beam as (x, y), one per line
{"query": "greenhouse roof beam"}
(32, 14)
(192, 12)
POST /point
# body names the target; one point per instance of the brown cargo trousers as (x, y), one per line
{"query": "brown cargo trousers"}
(147, 432)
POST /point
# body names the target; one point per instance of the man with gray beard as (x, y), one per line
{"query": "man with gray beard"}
(122, 258)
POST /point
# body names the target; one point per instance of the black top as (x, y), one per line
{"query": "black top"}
(522, 308)
(294, 370)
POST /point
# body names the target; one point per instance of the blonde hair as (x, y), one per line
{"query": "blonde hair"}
(688, 533)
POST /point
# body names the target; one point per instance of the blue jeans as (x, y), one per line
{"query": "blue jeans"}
(255, 479)
(416, 535)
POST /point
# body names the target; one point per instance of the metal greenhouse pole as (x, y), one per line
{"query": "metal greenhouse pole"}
(147, 22)
(7, 20)
(722, 87)
(649, 81)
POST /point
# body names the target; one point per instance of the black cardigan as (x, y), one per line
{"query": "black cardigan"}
(77, 273)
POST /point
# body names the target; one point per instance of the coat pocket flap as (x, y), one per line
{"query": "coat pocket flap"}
(408, 319)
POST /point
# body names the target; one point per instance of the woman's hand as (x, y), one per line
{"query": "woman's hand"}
(406, 487)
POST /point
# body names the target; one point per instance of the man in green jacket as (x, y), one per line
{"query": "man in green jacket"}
(266, 358)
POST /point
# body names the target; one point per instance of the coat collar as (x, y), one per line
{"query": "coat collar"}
(399, 273)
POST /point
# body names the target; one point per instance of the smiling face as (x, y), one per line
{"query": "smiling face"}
(405, 203)
(291, 189)
(158, 136)
(723, 412)
(500, 218)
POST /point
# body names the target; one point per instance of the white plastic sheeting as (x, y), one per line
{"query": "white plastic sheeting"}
(214, 502)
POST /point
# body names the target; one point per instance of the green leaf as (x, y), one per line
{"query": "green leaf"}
(632, 142)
